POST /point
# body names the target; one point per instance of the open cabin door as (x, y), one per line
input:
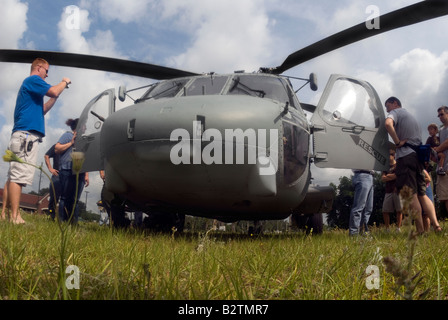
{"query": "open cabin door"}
(348, 127)
(89, 129)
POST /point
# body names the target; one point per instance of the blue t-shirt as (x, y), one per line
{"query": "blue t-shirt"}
(65, 161)
(29, 111)
(407, 128)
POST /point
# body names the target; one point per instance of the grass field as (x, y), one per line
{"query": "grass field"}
(40, 260)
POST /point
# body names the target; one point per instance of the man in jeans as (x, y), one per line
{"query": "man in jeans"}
(362, 202)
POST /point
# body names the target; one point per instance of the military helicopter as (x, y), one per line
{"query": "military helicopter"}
(233, 146)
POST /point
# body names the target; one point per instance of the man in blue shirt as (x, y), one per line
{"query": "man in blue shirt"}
(28, 131)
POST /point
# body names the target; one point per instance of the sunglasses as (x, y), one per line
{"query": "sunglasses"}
(440, 114)
(46, 70)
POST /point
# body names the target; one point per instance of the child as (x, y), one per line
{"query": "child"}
(433, 141)
(391, 202)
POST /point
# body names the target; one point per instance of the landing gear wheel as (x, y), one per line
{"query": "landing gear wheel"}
(312, 222)
(118, 214)
(164, 222)
(256, 229)
(316, 222)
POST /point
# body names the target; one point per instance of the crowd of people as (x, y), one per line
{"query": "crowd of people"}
(406, 169)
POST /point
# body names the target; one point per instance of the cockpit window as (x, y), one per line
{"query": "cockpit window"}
(165, 89)
(261, 86)
(210, 85)
(350, 103)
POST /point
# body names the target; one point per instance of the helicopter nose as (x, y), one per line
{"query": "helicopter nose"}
(196, 144)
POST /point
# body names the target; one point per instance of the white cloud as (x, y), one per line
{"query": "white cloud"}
(125, 11)
(71, 38)
(226, 35)
(13, 14)
(419, 72)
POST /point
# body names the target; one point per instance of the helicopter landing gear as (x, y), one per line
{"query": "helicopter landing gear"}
(164, 222)
(256, 229)
(118, 215)
(310, 223)
(115, 209)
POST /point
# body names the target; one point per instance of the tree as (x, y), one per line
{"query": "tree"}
(340, 213)
(339, 216)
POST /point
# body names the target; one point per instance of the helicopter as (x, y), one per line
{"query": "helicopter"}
(235, 146)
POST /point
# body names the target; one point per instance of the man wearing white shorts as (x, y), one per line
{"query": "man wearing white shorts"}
(28, 131)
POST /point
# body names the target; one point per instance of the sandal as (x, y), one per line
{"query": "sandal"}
(438, 229)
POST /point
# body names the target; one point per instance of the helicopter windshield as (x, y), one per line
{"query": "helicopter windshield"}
(262, 86)
(210, 85)
(166, 89)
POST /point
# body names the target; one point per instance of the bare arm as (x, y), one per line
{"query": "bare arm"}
(393, 134)
(388, 177)
(442, 147)
(49, 104)
(50, 167)
(427, 176)
(86, 180)
(54, 93)
(61, 148)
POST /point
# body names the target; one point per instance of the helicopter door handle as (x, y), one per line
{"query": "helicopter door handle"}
(131, 130)
(87, 138)
(354, 129)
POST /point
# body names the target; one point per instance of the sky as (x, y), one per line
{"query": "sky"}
(220, 36)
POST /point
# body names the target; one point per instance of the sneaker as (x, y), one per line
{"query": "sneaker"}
(441, 172)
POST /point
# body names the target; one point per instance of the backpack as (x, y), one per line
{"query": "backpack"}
(423, 151)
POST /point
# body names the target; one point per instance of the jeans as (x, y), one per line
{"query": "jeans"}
(362, 203)
(54, 198)
(68, 190)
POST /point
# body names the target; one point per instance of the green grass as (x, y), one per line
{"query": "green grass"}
(131, 264)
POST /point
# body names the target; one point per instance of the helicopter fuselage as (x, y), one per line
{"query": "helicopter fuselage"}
(238, 149)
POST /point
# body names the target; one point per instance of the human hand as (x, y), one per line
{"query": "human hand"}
(401, 143)
(67, 81)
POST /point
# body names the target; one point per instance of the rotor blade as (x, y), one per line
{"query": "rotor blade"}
(133, 68)
(406, 16)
